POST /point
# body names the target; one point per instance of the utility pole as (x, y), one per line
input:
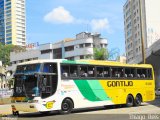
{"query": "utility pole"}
(142, 40)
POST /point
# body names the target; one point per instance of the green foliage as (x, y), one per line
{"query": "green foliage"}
(100, 54)
(10, 83)
(5, 52)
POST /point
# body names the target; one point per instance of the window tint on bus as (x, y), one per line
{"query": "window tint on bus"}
(117, 72)
(73, 71)
(50, 68)
(104, 72)
(83, 71)
(149, 71)
(130, 73)
(141, 73)
(107, 72)
(99, 72)
(65, 71)
(91, 71)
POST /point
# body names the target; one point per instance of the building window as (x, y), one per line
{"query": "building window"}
(88, 44)
(8, 31)
(81, 56)
(10, 42)
(57, 53)
(69, 48)
(46, 51)
(70, 58)
(9, 38)
(35, 58)
(81, 46)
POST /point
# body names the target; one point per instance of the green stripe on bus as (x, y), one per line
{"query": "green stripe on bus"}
(73, 62)
(86, 91)
(91, 90)
(98, 89)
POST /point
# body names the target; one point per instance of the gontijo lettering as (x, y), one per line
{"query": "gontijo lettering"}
(119, 83)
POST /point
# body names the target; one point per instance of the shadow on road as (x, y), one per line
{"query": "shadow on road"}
(156, 102)
(56, 113)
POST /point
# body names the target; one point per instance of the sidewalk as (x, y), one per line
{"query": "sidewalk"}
(5, 106)
(5, 109)
(5, 101)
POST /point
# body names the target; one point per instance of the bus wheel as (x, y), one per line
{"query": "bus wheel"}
(15, 113)
(129, 101)
(138, 100)
(66, 107)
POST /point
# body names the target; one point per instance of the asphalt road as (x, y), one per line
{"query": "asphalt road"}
(147, 111)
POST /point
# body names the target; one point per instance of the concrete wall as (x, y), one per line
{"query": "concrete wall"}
(152, 20)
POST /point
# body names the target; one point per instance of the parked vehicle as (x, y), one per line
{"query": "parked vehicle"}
(157, 92)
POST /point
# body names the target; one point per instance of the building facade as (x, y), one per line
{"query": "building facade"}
(141, 20)
(73, 49)
(12, 22)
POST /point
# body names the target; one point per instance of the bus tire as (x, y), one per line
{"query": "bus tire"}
(129, 101)
(138, 100)
(15, 113)
(66, 106)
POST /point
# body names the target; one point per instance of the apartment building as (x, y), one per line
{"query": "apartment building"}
(13, 22)
(141, 20)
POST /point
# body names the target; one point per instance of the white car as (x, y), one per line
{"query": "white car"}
(157, 92)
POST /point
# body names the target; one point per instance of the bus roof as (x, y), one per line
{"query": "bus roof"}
(110, 63)
(92, 62)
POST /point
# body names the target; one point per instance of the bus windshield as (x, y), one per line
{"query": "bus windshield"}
(35, 80)
(27, 69)
(26, 86)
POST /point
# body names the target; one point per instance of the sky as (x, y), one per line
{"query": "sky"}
(49, 21)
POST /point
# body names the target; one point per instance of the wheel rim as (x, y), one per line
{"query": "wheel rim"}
(65, 106)
(130, 100)
(138, 100)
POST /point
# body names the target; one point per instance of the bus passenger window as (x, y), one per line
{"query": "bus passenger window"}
(91, 71)
(73, 71)
(129, 72)
(142, 73)
(106, 72)
(83, 71)
(65, 71)
(99, 72)
(117, 72)
(50, 68)
(149, 73)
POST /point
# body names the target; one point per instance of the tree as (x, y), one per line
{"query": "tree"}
(5, 52)
(10, 83)
(100, 54)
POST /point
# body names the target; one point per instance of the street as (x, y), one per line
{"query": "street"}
(147, 111)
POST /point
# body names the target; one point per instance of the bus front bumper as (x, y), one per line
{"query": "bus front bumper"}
(25, 107)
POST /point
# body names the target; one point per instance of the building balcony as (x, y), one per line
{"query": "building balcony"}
(79, 52)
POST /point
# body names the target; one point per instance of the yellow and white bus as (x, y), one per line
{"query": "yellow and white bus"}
(48, 85)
